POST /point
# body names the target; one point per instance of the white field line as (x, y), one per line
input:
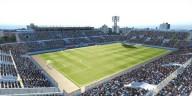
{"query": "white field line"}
(82, 85)
(126, 68)
(106, 66)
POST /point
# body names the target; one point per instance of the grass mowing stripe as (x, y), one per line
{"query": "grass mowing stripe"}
(87, 64)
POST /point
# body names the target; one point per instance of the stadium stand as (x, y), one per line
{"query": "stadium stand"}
(166, 39)
(179, 86)
(20, 72)
(7, 37)
(152, 73)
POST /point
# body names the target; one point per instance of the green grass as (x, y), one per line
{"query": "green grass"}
(87, 64)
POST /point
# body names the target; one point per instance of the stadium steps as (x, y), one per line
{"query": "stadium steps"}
(168, 79)
(17, 38)
(18, 76)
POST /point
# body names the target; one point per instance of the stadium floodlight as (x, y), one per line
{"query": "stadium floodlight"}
(115, 19)
(115, 28)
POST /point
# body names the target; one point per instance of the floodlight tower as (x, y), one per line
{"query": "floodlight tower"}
(115, 27)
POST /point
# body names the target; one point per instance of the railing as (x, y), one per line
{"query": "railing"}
(18, 75)
(28, 91)
(165, 82)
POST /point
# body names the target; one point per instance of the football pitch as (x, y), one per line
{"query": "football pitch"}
(87, 64)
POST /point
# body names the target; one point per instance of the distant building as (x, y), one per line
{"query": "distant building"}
(164, 26)
(125, 29)
(105, 28)
(56, 28)
(115, 27)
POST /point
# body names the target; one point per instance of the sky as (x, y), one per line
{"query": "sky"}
(95, 12)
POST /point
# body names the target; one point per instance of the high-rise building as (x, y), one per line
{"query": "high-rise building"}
(164, 26)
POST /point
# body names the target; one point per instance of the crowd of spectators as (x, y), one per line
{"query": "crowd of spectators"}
(13, 65)
(152, 73)
(181, 85)
(31, 46)
(34, 36)
(30, 74)
(166, 39)
(8, 73)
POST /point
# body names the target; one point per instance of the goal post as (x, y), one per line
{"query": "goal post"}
(126, 44)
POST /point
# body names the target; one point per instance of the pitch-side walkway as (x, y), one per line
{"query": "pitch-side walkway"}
(165, 82)
(64, 84)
